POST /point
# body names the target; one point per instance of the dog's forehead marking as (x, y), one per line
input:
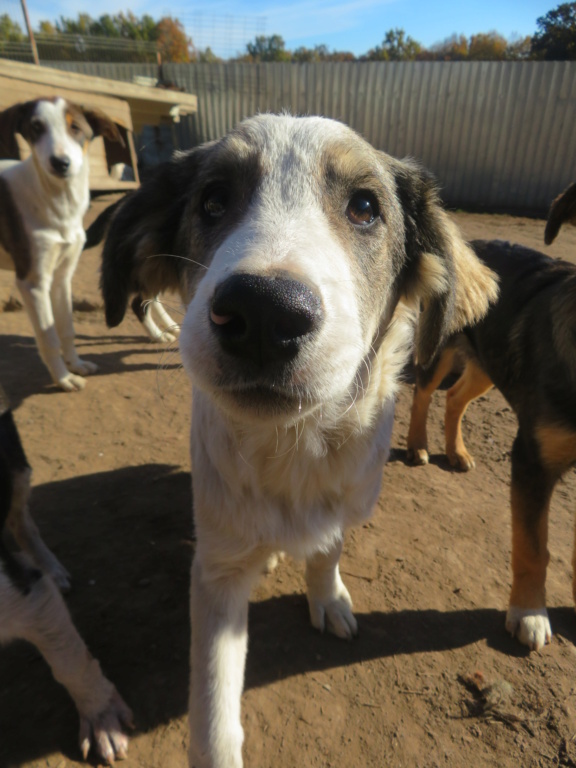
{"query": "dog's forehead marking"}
(298, 142)
(296, 153)
(51, 111)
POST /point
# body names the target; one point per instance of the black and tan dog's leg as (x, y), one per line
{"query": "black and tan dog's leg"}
(532, 486)
(472, 383)
(39, 615)
(417, 435)
(557, 446)
(15, 517)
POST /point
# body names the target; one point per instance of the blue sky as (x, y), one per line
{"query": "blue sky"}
(353, 25)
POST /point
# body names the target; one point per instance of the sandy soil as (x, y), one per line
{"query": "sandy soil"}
(429, 576)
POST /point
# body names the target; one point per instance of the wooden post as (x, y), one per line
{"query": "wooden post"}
(30, 34)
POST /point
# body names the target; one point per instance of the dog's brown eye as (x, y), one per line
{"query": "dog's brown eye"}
(36, 128)
(362, 209)
(215, 204)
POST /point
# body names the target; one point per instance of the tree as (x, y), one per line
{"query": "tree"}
(47, 28)
(173, 42)
(320, 53)
(268, 49)
(396, 46)
(10, 31)
(556, 36)
(206, 56)
(453, 48)
(168, 33)
(487, 46)
(519, 48)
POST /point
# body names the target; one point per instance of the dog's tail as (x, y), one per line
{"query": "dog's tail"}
(562, 209)
(116, 272)
(97, 230)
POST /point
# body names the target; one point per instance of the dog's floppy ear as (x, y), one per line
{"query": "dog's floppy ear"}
(441, 271)
(12, 121)
(562, 209)
(102, 125)
(142, 250)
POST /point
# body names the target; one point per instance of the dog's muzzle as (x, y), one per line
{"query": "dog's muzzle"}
(264, 321)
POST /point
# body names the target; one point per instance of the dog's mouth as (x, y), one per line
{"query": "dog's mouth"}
(265, 399)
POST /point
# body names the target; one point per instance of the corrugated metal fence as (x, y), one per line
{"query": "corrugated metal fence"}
(498, 135)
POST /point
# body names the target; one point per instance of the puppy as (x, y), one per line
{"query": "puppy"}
(525, 347)
(147, 284)
(304, 254)
(32, 608)
(42, 203)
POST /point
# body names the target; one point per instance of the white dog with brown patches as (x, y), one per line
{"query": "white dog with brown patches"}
(305, 255)
(42, 205)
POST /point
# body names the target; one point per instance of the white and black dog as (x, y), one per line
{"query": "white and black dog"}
(32, 608)
(304, 256)
(141, 283)
(43, 200)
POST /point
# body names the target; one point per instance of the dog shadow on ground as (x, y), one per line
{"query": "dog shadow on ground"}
(23, 374)
(127, 538)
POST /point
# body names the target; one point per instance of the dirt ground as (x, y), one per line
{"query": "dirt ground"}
(429, 575)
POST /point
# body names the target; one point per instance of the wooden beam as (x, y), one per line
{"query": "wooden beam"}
(140, 94)
(30, 33)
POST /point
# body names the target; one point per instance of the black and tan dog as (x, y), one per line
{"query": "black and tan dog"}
(31, 607)
(526, 347)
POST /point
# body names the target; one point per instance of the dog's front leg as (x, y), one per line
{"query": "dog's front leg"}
(36, 298)
(61, 297)
(531, 490)
(219, 613)
(41, 618)
(329, 601)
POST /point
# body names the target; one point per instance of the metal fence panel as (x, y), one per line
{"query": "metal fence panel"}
(497, 135)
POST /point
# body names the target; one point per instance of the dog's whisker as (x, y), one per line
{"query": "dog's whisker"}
(177, 256)
(177, 308)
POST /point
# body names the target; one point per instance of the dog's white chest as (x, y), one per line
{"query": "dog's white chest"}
(283, 488)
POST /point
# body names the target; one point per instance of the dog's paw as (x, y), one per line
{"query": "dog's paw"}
(417, 456)
(461, 460)
(82, 367)
(71, 383)
(165, 337)
(334, 614)
(530, 625)
(104, 732)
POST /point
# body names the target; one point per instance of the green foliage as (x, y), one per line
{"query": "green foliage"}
(396, 46)
(10, 31)
(485, 46)
(318, 54)
(207, 56)
(125, 26)
(268, 49)
(555, 39)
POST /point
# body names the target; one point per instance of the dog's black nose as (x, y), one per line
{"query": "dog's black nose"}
(264, 319)
(60, 164)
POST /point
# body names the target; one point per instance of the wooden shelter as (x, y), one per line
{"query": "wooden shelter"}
(131, 107)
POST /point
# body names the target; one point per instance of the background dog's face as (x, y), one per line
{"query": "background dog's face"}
(299, 239)
(58, 133)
